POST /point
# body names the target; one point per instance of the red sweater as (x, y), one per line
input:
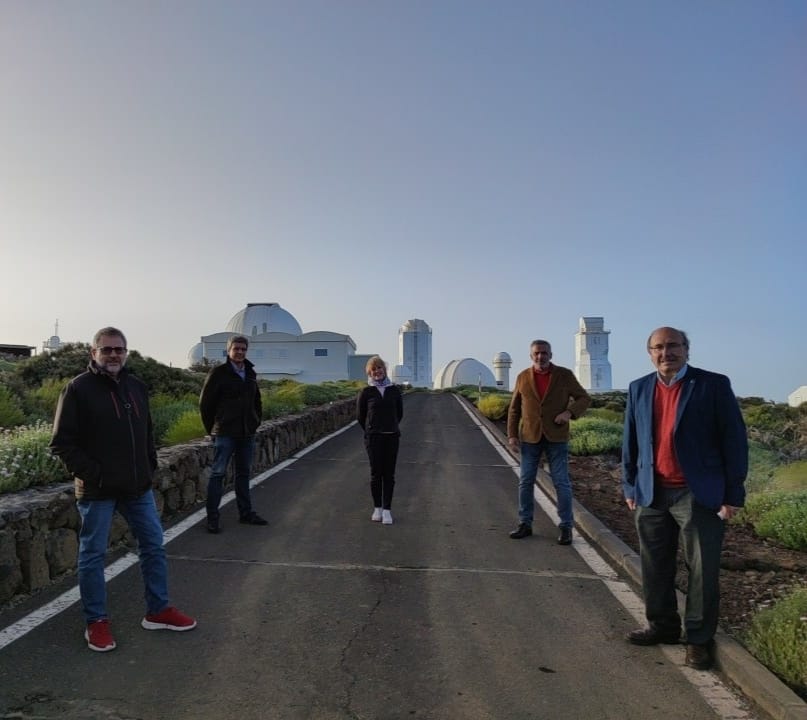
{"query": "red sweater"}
(668, 472)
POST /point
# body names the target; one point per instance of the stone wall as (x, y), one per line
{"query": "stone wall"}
(39, 526)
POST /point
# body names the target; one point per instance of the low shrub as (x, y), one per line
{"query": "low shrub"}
(187, 426)
(494, 407)
(26, 460)
(609, 414)
(593, 436)
(778, 639)
(780, 516)
(762, 462)
(41, 401)
(11, 413)
(791, 477)
(165, 411)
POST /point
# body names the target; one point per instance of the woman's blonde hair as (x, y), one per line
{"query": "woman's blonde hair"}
(373, 363)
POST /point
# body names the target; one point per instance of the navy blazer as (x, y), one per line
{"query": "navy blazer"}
(710, 440)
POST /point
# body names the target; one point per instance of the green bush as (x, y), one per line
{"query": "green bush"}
(187, 426)
(593, 436)
(286, 397)
(612, 400)
(41, 401)
(494, 407)
(26, 460)
(609, 414)
(781, 516)
(165, 411)
(762, 463)
(778, 639)
(11, 413)
(790, 477)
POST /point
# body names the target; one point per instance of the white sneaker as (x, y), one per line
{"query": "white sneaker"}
(386, 517)
(376, 516)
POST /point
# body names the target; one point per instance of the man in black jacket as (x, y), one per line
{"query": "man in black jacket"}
(102, 432)
(230, 405)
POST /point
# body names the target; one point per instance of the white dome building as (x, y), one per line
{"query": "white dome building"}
(259, 318)
(280, 349)
(463, 372)
(196, 354)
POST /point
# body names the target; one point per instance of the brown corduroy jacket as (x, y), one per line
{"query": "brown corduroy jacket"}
(529, 418)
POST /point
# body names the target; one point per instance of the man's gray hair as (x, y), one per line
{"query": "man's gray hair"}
(236, 339)
(541, 342)
(684, 338)
(108, 331)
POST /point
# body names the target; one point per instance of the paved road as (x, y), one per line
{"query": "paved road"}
(325, 615)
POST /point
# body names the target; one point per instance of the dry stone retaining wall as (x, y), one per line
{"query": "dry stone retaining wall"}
(39, 526)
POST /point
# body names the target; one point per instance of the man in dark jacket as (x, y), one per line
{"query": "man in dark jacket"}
(684, 462)
(230, 405)
(102, 432)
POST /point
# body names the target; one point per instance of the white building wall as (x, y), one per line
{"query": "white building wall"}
(592, 368)
(797, 397)
(415, 351)
(309, 358)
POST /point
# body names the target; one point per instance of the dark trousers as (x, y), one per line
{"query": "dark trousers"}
(225, 448)
(382, 449)
(674, 514)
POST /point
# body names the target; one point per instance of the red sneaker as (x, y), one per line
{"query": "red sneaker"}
(168, 619)
(99, 637)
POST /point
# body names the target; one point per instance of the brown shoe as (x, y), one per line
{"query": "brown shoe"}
(699, 657)
(653, 636)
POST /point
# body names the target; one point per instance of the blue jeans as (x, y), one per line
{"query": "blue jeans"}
(557, 453)
(223, 449)
(144, 522)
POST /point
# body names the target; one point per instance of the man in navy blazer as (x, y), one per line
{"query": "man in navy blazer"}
(684, 462)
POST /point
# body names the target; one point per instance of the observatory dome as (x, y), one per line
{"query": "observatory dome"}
(259, 318)
(196, 354)
(463, 372)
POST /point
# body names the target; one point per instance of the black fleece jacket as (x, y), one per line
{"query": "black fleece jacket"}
(103, 434)
(379, 413)
(230, 406)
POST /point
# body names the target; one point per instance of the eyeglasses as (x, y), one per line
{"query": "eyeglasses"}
(108, 350)
(674, 346)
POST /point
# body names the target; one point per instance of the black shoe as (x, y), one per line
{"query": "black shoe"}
(699, 657)
(252, 519)
(565, 537)
(213, 526)
(653, 636)
(522, 531)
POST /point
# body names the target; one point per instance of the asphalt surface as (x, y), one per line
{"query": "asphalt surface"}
(323, 614)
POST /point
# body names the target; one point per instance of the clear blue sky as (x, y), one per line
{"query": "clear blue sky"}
(497, 169)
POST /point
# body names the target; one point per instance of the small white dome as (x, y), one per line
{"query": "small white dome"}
(196, 354)
(463, 372)
(259, 318)
(502, 358)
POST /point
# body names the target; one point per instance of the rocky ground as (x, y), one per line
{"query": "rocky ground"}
(754, 572)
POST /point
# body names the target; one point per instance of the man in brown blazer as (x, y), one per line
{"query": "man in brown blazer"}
(545, 398)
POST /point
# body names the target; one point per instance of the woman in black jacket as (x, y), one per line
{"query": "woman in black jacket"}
(379, 409)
